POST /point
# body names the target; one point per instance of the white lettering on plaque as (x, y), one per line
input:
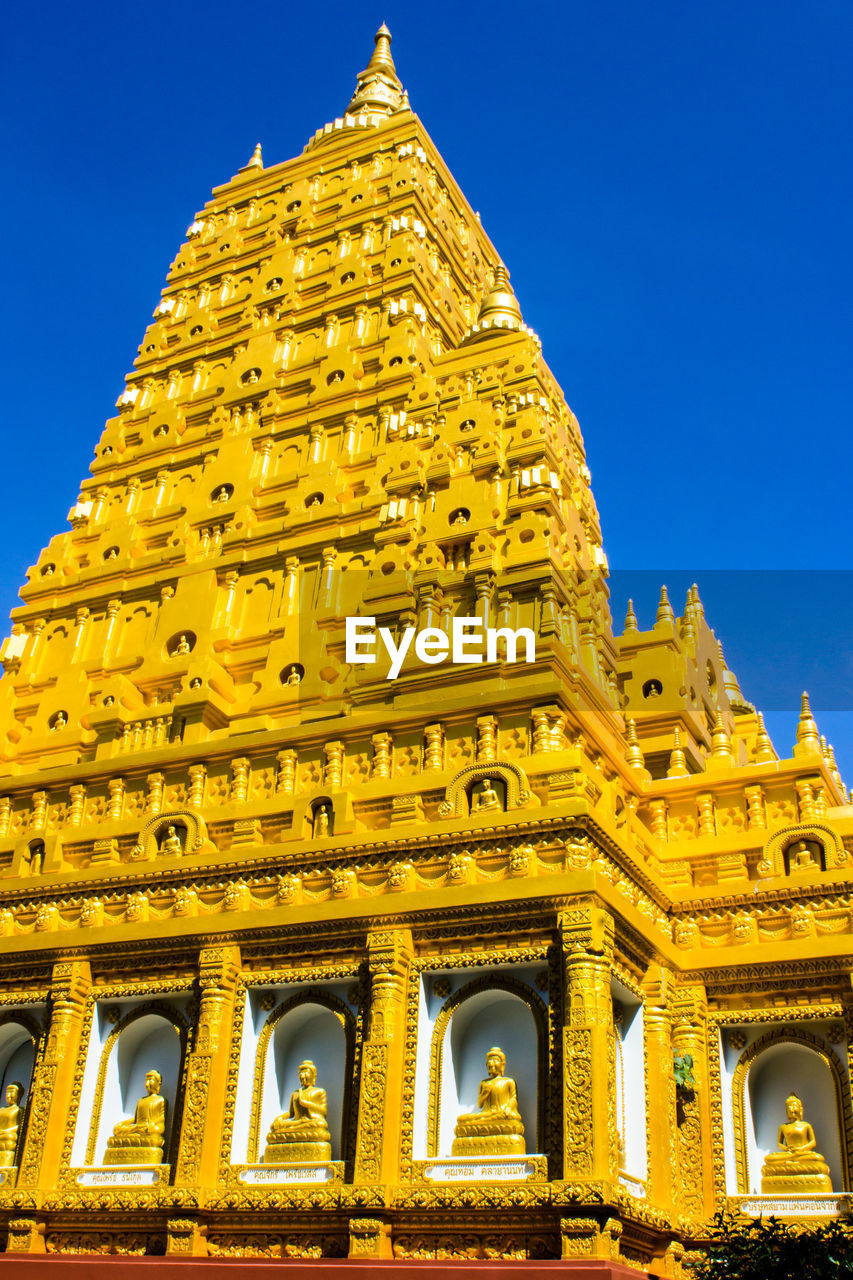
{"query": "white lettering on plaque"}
(480, 1171)
(801, 1207)
(266, 1173)
(117, 1177)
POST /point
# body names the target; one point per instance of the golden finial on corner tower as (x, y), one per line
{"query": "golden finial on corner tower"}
(257, 160)
(721, 745)
(677, 759)
(808, 739)
(633, 751)
(664, 613)
(762, 752)
(499, 308)
(631, 623)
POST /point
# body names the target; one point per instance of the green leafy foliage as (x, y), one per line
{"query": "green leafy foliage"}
(682, 1069)
(768, 1249)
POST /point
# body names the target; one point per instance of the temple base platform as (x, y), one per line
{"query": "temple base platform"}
(76, 1267)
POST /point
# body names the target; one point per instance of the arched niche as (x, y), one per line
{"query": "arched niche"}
(630, 1101)
(146, 1040)
(17, 1055)
(774, 1067)
(514, 790)
(317, 1027)
(475, 1019)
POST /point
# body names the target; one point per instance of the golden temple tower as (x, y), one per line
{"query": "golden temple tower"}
(364, 895)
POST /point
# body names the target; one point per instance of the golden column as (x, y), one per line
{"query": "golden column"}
(590, 1138)
(660, 1088)
(51, 1094)
(693, 1108)
(377, 1157)
(205, 1089)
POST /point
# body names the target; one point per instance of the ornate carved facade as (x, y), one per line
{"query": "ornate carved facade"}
(229, 854)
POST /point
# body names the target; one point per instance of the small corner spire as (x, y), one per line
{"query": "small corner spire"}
(631, 618)
(499, 308)
(762, 752)
(633, 750)
(808, 739)
(677, 759)
(664, 613)
(256, 160)
(721, 756)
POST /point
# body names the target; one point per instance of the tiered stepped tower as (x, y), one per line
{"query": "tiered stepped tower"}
(225, 848)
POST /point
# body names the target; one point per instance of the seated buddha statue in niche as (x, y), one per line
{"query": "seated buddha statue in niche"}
(497, 1128)
(141, 1140)
(10, 1124)
(798, 1167)
(301, 1134)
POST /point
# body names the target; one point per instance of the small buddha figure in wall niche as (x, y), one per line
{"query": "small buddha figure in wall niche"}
(320, 826)
(11, 1117)
(171, 842)
(182, 647)
(302, 1134)
(294, 676)
(798, 1168)
(497, 1128)
(140, 1140)
(802, 858)
(60, 720)
(486, 798)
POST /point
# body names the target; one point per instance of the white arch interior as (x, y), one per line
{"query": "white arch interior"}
(149, 1043)
(17, 1053)
(776, 1072)
(630, 1083)
(310, 1031)
(488, 1018)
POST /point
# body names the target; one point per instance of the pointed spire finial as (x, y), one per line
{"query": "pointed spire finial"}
(677, 759)
(256, 161)
(633, 751)
(762, 752)
(378, 91)
(664, 613)
(721, 756)
(631, 618)
(808, 739)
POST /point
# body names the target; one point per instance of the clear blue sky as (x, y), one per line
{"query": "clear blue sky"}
(669, 185)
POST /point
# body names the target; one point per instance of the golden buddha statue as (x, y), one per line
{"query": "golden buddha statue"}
(303, 1133)
(172, 842)
(497, 1128)
(141, 1140)
(797, 1168)
(487, 797)
(10, 1124)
